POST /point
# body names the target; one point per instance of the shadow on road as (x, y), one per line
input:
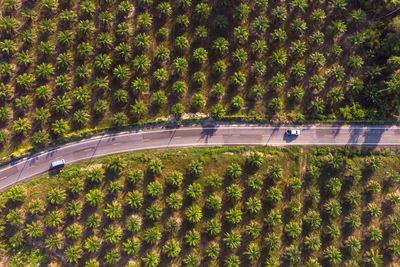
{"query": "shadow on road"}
(366, 136)
(208, 130)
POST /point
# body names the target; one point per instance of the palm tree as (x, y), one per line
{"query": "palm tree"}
(172, 248)
(104, 40)
(35, 206)
(24, 58)
(313, 242)
(123, 30)
(234, 215)
(194, 191)
(121, 96)
(333, 208)
(112, 257)
(174, 201)
(194, 214)
(85, 28)
(253, 205)
(65, 38)
(318, 105)
(113, 234)
(73, 231)
(293, 254)
(318, 16)
(154, 188)
(145, 20)
(46, 49)
(60, 127)
(74, 208)
(217, 112)
(63, 82)
(317, 38)
(14, 217)
(161, 53)
(139, 85)
(43, 92)
(394, 246)
(374, 258)
(53, 242)
(92, 244)
(253, 252)
(237, 103)
(22, 103)
(116, 165)
(151, 260)
(353, 245)
(3, 137)
(218, 90)
(21, 126)
(234, 192)
(25, 81)
(214, 203)
(40, 138)
(160, 75)
(93, 197)
(54, 219)
(105, 17)
(313, 219)
(73, 254)
(130, 246)
(293, 229)
(152, 235)
(272, 242)
(81, 117)
(338, 27)
(93, 221)
(333, 255)
(220, 45)
(133, 225)
(274, 194)
(61, 105)
(214, 227)
(154, 212)
(84, 50)
(119, 119)
(374, 234)
(121, 73)
(124, 8)
(102, 62)
(219, 67)
(8, 25)
(192, 238)
(175, 178)
(34, 230)
(142, 40)
(8, 47)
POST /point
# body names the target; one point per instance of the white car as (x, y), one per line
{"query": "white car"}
(293, 132)
(57, 165)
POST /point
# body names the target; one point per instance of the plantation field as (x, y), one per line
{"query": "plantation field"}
(210, 207)
(72, 65)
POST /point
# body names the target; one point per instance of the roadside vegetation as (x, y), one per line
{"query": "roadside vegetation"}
(74, 65)
(210, 207)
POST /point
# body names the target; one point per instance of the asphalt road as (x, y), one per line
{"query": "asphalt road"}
(220, 135)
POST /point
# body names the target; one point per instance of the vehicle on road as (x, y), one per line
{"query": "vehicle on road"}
(293, 132)
(57, 165)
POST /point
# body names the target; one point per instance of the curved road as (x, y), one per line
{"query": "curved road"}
(214, 135)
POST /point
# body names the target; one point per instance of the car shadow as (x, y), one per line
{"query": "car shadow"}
(289, 138)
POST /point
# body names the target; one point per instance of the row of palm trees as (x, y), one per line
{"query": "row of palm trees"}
(91, 58)
(323, 214)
